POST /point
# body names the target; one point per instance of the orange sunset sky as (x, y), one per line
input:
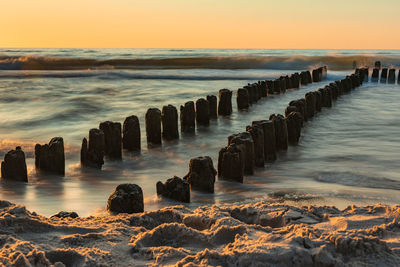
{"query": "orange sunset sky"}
(337, 24)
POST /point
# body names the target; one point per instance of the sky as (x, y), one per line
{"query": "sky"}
(284, 24)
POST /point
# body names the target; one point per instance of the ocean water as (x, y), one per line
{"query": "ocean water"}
(348, 154)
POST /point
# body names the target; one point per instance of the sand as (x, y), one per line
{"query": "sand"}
(254, 234)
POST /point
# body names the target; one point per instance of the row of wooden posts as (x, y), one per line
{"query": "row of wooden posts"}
(108, 140)
(387, 75)
(245, 151)
(163, 124)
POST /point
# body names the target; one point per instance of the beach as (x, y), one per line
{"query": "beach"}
(344, 156)
(329, 199)
(254, 234)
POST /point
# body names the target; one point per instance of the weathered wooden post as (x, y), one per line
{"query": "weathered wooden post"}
(225, 102)
(174, 188)
(131, 134)
(244, 141)
(169, 119)
(242, 99)
(112, 139)
(269, 139)
(50, 157)
(188, 117)
(231, 163)
(153, 126)
(201, 175)
(310, 104)
(375, 75)
(281, 132)
(270, 86)
(202, 112)
(277, 86)
(294, 122)
(212, 101)
(257, 133)
(13, 166)
(384, 74)
(392, 76)
(92, 152)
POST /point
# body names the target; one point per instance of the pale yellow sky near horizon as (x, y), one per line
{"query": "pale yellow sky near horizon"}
(303, 24)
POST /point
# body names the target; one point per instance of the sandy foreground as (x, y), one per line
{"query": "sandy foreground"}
(256, 234)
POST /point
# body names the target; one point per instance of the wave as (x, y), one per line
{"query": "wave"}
(359, 180)
(334, 62)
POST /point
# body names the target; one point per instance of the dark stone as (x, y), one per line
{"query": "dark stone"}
(310, 104)
(201, 174)
(50, 157)
(294, 122)
(257, 133)
(384, 74)
(13, 166)
(169, 119)
(231, 163)
(378, 65)
(92, 154)
(174, 188)
(245, 143)
(225, 102)
(127, 198)
(392, 76)
(188, 117)
(375, 75)
(269, 139)
(212, 102)
(112, 139)
(66, 214)
(270, 87)
(131, 134)
(153, 126)
(202, 112)
(242, 99)
(281, 131)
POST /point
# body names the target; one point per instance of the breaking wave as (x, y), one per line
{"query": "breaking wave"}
(334, 62)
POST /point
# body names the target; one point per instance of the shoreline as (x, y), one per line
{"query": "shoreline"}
(227, 235)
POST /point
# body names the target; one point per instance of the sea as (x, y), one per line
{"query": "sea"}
(348, 154)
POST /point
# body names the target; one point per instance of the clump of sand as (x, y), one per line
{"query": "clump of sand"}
(256, 234)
